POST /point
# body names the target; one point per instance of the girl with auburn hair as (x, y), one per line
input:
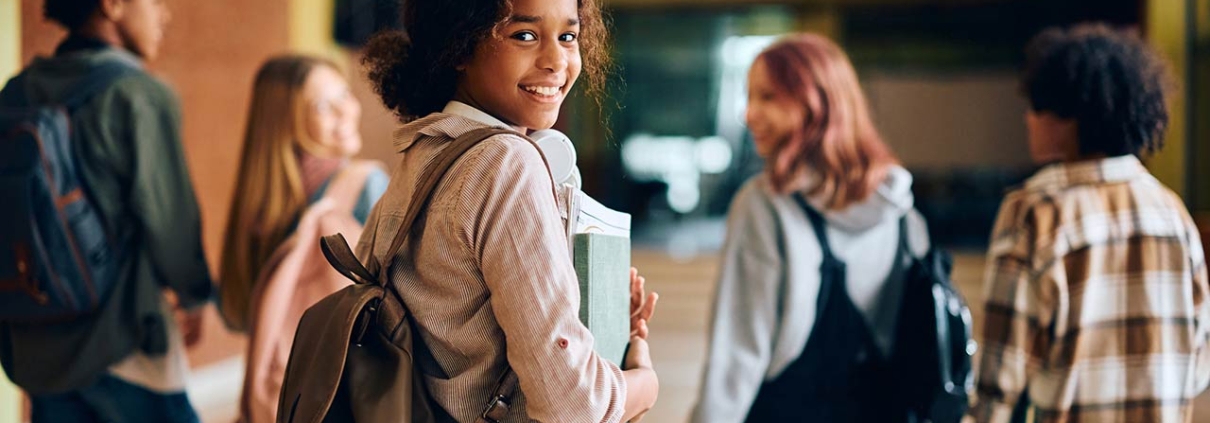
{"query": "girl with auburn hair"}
(488, 278)
(798, 335)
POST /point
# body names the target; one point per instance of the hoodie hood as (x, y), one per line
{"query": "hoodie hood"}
(52, 78)
(891, 201)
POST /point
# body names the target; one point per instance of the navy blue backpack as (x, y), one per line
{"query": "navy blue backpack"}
(57, 260)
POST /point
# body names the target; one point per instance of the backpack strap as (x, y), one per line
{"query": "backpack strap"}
(347, 185)
(497, 409)
(429, 178)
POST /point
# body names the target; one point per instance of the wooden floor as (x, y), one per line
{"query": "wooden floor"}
(678, 337)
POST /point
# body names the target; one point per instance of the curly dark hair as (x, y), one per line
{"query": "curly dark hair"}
(1109, 81)
(72, 14)
(414, 72)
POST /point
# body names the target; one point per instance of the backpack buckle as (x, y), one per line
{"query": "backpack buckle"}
(25, 280)
(496, 410)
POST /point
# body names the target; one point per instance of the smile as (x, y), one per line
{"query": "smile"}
(543, 91)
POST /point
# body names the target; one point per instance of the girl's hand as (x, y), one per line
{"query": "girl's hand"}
(642, 305)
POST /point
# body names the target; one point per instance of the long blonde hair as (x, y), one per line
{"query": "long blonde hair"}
(269, 195)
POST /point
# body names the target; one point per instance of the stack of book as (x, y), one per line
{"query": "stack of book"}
(601, 254)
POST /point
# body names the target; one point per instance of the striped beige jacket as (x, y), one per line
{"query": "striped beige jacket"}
(489, 280)
(1096, 299)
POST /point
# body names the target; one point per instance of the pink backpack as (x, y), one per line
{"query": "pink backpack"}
(296, 277)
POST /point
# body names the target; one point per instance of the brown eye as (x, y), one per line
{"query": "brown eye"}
(569, 37)
(525, 36)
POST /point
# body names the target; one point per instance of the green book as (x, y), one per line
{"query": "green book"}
(603, 266)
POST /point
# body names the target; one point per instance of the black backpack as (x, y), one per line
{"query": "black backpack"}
(933, 348)
(934, 338)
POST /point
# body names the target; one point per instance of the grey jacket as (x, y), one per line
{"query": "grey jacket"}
(764, 307)
(127, 145)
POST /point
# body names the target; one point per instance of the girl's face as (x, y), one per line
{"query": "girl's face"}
(772, 116)
(522, 75)
(333, 114)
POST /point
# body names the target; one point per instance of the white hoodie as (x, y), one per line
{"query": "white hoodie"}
(764, 307)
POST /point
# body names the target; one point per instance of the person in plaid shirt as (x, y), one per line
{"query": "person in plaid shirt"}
(1096, 278)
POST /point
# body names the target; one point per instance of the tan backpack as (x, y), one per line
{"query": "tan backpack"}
(353, 355)
(294, 278)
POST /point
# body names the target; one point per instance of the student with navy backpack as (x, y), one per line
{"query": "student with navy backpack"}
(100, 226)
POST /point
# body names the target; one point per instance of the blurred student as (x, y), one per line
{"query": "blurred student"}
(125, 361)
(1096, 282)
(813, 267)
(297, 182)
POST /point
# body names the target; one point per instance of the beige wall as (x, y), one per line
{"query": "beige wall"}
(1165, 30)
(947, 121)
(10, 63)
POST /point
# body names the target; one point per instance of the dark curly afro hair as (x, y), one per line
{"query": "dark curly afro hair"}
(414, 72)
(1109, 81)
(72, 14)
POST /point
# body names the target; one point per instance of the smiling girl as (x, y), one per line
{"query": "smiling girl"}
(489, 281)
(806, 309)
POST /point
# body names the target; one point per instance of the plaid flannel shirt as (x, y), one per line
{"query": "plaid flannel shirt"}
(1097, 289)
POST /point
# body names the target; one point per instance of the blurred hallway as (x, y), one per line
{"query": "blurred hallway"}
(941, 76)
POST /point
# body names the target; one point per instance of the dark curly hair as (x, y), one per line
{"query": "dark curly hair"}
(72, 14)
(1109, 81)
(414, 72)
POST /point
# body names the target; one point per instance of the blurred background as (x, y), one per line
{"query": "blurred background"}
(668, 144)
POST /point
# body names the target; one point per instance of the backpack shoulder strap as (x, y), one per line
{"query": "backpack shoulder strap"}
(429, 178)
(336, 248)
(347, 185)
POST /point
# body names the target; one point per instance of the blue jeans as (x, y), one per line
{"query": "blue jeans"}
(112, 400)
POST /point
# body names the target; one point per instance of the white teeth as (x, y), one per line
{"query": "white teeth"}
(548, 91)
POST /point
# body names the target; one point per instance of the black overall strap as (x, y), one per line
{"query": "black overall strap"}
(819, 224)
(830, 267)
(904, 245)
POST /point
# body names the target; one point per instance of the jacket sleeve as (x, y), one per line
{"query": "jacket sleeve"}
(1016, 314)
(161, 195)
(1201, 301)
(746, 314)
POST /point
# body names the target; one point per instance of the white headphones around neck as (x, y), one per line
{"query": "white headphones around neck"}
(560, 155)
